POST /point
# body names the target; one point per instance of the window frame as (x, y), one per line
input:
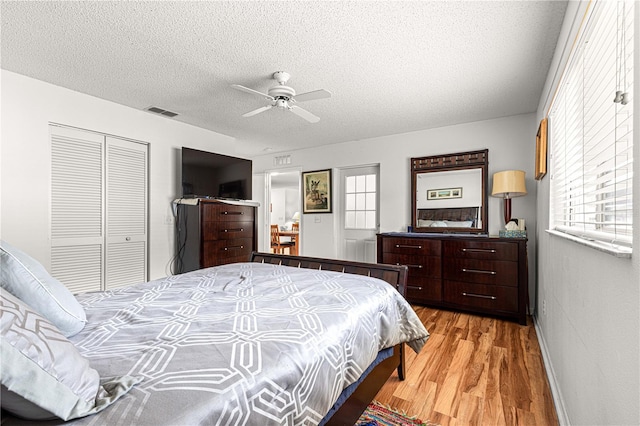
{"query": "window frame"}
(619, 244)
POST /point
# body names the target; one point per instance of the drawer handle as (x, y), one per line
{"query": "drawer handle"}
(414, 288)
(409, 266)
(480, 296)
(234, 230)
(478, 250)
(478, 271)
(234, 247)
(226, 212)
(407, 246)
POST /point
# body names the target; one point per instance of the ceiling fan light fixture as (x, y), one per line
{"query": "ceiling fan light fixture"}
(284, 97)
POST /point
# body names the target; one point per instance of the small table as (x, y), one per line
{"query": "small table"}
(295, 237)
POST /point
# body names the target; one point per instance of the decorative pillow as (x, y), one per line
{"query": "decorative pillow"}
(43, 374)
(26, 278)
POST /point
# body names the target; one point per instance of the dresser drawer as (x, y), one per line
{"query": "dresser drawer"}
(411, 246)
(227, 212)
(226, 230)
(419, 266)
(215, 252)
(424, 290)
(479, 296)
(481, 250)
(493, 272)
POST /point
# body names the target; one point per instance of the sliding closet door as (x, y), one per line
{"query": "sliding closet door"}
(126, 230)
(77, 221)
(98, 210)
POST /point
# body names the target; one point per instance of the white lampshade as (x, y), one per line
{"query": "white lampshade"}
(296, 217)
(509, 184)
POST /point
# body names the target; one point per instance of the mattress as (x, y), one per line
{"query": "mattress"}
(240, 344)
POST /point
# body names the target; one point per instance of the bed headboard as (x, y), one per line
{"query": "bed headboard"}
(395, 275)
(455, 214)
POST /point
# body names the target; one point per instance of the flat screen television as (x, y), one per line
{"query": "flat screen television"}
(211, 175)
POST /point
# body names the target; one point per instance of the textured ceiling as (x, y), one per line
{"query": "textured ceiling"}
(392, 67)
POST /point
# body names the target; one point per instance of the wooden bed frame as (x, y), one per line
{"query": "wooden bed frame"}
(453, 213)
(352, 408)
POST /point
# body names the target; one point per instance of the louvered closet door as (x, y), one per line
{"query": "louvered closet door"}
(77, 233)
(126, 260)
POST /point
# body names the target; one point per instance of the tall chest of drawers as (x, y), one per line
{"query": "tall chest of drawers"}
(486, 275)
(215, 232)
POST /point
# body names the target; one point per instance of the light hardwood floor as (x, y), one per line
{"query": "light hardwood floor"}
(474, 371)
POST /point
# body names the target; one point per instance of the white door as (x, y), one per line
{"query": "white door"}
(359, 208)
(77, 208)
(99, 210)
(126, 213)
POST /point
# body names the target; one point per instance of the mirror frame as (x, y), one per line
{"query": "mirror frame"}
(451, 162)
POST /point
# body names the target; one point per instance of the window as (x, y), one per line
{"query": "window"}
(360, 202)
(591, 132)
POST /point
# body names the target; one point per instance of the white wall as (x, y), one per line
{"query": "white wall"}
(590, 329)
(511, 144)
(28, 106)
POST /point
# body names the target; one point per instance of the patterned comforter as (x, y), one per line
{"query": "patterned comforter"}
(241, 344)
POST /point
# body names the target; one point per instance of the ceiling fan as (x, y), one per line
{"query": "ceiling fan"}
(285, 98)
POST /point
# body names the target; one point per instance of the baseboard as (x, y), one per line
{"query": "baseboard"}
(558, 401)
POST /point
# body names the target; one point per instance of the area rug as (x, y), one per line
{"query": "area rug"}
(377, 414)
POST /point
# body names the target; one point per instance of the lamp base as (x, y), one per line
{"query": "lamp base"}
(507, 210)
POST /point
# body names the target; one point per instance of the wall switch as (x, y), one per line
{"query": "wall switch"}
(168, 220)
(544, 307)
(317, 219)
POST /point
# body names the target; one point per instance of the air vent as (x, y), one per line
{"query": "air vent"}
(161, 111)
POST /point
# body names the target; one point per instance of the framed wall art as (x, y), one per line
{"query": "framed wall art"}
(439, 194)
(316, 191)
(541, 150)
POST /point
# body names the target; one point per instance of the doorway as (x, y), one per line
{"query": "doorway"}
(285, 203)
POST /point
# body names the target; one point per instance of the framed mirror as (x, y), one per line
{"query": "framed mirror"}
(449, 193)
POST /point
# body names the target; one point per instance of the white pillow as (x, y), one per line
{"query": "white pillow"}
(424, 223)
(26, 278)
(460, 224)
(438, 224)
(43, 374)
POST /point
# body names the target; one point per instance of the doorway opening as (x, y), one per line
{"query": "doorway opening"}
(285, 207)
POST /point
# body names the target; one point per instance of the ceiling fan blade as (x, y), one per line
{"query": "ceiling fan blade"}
(304, 114)
(257, 111)
(310, 96)
(253, 92)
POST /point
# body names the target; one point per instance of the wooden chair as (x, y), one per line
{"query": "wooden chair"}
(277, 245)
(296, 227)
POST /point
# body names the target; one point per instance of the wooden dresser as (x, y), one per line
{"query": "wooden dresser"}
(480, 274)
(215, 232)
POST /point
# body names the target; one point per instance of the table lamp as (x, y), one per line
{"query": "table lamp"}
(508, 184)
(296, 217)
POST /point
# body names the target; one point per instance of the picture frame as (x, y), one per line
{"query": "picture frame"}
(316, 191)
(541, 150)
(444, 193)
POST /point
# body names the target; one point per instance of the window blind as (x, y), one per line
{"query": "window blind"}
(591, 131)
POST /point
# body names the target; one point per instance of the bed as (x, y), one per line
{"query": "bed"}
(275, 340)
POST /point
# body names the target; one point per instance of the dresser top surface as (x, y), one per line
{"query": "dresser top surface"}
(443, 236)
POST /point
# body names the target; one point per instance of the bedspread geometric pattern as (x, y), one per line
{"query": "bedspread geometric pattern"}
(241, 344)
